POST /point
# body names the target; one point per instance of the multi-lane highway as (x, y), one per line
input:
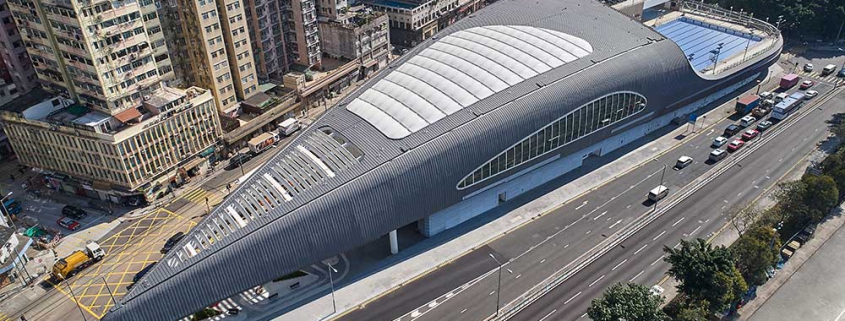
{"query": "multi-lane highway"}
(466, 289)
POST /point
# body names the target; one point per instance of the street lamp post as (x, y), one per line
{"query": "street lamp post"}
(331, 282)
(499, 287)
(6, 210)
(747, 44)
(76, 301)
(241, 163)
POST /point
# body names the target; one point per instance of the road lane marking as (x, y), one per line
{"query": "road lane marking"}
(572, 298)
(588, 232)
(642, 248)
(565, 246)
(840, 315)
(600, 215)
(658, 260)
(678, 222)
(583, 315)
(542, 261)
(695, 230)
(547, 315)
(596, 281)
(582, 205)
(463, 311)
(635, 276)
(620, 264)
(614, 224)
(658, 236)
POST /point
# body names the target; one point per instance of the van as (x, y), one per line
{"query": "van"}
(829, 69)
(683, 162)
(658, 193)
(288, 126)
(780, 97)
(717, 155)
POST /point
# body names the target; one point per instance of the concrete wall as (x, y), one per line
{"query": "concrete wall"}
(507, 188)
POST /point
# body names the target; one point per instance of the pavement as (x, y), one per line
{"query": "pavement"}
(810, 284)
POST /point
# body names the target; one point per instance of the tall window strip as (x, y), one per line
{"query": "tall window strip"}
(584, 120)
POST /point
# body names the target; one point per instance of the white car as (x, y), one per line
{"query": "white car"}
(809, 94)
(683, 162)
(719, 141)
(808, 68)
(767, 95)
(747, 120)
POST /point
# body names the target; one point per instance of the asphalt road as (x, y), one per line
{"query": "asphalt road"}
(552, 241)
(698, 216)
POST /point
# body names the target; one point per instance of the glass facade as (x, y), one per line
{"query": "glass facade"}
(581, 122)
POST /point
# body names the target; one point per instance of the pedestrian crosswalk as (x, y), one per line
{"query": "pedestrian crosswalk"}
(199, 195)
(817, 75)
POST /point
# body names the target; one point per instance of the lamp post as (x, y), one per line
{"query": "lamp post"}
(331, 282)
(499, 287)
(241, 163)
(6, 210)
(76, 301)
(747, 44)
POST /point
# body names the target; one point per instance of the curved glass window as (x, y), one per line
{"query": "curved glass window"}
(578, 123)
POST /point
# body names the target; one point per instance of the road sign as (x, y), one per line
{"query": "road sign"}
(693, 117)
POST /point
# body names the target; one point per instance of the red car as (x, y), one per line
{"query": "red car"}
(735, 145)
(750, 134)
(807, 84)
(68, 223)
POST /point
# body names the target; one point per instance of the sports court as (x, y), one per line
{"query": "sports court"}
(700, 40)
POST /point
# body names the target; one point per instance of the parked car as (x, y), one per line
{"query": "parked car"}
(141, 274)
(683, 162)
(763, 125)
(806, 84)
(239, 160)
(750, 134)
(841, 73)
(719, 141)
(68, 223)
(735, 145)
(808, 67)
(767, 95)
(809, 94)
(74, 212)
(717, 155)
(171, 242)
(731, 130)
(747, 121)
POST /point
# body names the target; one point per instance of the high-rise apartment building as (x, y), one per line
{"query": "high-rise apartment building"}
(13, 53)
(264, 21)
(302, 37)
(107, 55)
(356, 33)
(213, 39)
(413, 21)
(128, 157)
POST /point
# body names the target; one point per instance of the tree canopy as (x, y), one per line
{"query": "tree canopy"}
(628, 301)
(755, 252)
(820, 18)
(706, 273)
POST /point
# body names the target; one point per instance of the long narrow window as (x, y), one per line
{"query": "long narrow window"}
(584, 120)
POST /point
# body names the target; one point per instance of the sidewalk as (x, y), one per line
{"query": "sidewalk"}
(396, 275)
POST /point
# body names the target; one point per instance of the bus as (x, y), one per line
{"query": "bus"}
(784, 108)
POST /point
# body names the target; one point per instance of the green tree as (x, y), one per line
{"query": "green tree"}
(838, 176)
(821, 195)
(629, 301)
(756, 251)
(706, 273)
(693, 311)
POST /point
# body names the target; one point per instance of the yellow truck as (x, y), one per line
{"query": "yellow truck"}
(78, 260)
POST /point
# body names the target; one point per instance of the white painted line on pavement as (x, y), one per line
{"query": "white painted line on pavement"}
(464, 310)
(695, 230)
(518, 276)
(432, 304)
(600, 215)
(588, 232)
(565, 246)
(491, 293)
(629, 206)
(635, 276)
(596, 281)
(542, 261)
(658, 236)
(658, 260)
(614, 224)
(677, 245)
(583, 315)
(840, 315)
(547, 315)
(679, 221)
(642, 248)
(572, 298)
(618, 265)
(582, 205)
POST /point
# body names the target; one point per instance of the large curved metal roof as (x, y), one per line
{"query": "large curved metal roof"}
(346, 180)
(460, 69)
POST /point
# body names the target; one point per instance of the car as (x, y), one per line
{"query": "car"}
(143, 272)
(719, 141)
(747, 121)
(171, 242)
(717, 155)
(808, 67)
(656, 290)
(68, 223)
(841, 73)
(806, 84)
(735, 145)
(74, 212)
(809, 94)
(731, 130)
(763, 125)
(239, 159)
(750, 134)
(767, 95)
(682, 162)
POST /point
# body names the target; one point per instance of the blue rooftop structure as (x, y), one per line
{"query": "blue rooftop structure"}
(700, 41)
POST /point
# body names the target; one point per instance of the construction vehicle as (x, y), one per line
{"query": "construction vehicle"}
(77, 261)
(760, 111)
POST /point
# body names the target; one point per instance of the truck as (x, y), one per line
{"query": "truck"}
(747, 103)
(12, 206)
(789, 81)
(262, 142)
(784, 108)
(288, 126)
(77, 261)
(761, 111)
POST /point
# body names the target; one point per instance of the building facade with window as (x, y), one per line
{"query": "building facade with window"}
(413, 21)
(358, 34)
(127, 158)
(491, 107)
(13, 53)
